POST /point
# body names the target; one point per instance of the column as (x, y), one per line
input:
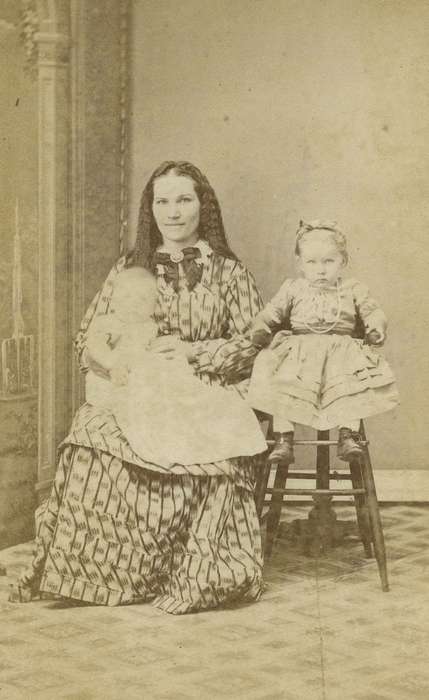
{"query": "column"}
(54, 332)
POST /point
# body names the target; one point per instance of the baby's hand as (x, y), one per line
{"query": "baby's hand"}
(119, 375)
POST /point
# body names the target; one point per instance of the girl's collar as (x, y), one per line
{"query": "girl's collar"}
(324, 287)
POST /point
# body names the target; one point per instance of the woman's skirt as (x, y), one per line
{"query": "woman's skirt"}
(321, 381)
(112, 533)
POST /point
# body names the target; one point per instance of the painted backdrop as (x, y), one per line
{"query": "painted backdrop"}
(18, 209)
(304, 109)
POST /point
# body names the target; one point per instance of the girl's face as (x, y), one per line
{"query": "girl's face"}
(176, 209)
(320, 261)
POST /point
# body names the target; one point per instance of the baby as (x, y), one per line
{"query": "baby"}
(318, 372)
(164, 411)
(116, 341)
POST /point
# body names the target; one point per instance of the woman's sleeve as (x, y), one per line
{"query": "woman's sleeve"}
(233, 355)
(367, 307)
(99, 306)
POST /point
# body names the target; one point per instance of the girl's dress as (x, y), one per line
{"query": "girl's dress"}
(166, 414)
(317, 373)
(118, 529)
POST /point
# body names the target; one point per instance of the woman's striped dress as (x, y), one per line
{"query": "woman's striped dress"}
(119, 530)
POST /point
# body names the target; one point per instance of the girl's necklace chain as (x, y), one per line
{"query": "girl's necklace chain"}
(332, 326)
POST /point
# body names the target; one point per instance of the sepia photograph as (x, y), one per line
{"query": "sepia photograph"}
(214, 387)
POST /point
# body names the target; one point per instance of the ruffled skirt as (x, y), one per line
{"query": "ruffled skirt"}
(322, 381)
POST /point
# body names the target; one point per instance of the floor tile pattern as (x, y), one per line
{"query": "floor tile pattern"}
(322, 631)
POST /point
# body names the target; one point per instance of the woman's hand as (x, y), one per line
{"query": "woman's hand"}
(171, 347)
(261, 337)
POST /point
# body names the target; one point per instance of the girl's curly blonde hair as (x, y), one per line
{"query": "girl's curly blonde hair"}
(338, 238)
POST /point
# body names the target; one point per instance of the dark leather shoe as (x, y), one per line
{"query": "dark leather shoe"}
(282, 452)
(349, 448)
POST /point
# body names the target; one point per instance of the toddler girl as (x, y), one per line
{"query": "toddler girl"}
(318, 373)
(165, 412)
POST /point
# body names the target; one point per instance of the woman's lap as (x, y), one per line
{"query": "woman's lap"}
(98, 429)
(112, 534)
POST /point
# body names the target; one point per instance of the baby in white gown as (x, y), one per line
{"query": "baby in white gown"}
(167, 415)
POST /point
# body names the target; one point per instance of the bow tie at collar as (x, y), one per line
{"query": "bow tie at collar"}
(187, 258)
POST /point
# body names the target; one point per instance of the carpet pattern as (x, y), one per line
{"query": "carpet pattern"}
(323, 630)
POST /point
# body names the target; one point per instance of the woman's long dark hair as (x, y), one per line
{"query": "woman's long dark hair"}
(210, 228)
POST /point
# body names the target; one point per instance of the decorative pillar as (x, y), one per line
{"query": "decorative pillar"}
(82, 77)
(54, 333)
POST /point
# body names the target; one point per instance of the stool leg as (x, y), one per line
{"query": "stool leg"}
(261, 487)
(323, 529)
(374, 515)
(274, 513)
(361, 508)
(322, 461)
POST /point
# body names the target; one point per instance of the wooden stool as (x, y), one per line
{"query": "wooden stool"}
(363, 492)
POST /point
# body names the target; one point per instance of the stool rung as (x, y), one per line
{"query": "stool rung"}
(323, 474)
(317, 492)
(312, 475)
(316, 442)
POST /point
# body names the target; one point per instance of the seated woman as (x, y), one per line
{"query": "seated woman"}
(117, 529)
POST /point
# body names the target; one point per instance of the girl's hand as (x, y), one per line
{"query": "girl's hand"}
(376, 336)
(171, 347)
(375, 328)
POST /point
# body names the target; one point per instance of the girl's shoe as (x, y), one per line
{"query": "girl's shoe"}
(349, 448)
(282, 452)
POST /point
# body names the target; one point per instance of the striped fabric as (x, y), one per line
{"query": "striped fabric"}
(214, 317)
(98, 429)
(112, 534)
(117, 530)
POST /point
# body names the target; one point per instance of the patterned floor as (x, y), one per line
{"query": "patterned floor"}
(322, 631)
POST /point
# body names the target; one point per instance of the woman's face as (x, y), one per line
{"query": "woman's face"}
(176, 208)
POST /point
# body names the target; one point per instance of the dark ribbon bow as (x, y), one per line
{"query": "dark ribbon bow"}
(187, 258)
